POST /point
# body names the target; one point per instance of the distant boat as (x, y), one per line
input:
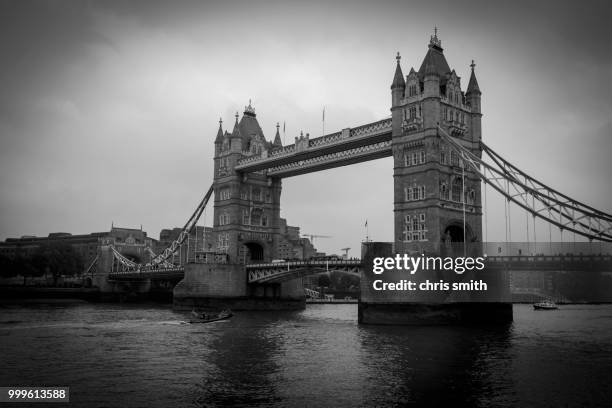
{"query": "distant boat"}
(209, 317)
(545, 305)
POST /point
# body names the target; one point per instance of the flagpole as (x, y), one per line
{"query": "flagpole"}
(323, 121)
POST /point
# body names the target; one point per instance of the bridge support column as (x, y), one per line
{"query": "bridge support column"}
(430, 307)
(221, 286)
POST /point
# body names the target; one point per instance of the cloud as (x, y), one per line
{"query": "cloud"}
(109, 109)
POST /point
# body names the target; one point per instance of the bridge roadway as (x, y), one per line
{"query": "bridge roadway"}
(284, 271)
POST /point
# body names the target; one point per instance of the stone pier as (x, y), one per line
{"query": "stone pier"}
(221, 286)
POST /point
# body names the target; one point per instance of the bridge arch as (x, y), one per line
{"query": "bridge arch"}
(255, 251)
(453, 232)
(136, 258)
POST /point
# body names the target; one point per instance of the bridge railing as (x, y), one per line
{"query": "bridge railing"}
(305, 263)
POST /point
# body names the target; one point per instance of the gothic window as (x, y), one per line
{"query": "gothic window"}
(415, 194)
(471, 197)
(256, 215)
(422, 156)
(443, 191)
(264, 221)
(422, 192)
(457, 190)
(223, 241)
(450, 96)
(256, 194)
(454, 158)
(412, 112)
(244, 194)
(415, 159)
(414, 228)
(224, 194)
(408, 193)
(443, 157)
(245, 217)
(224, 219)
(407, 160)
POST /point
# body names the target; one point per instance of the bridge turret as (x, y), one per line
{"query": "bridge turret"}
(219, 138)
(236, 138)
(431, 97)
(277, 139)
(398, 87)
(473, 95)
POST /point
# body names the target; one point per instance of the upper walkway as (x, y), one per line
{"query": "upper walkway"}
(363, 143)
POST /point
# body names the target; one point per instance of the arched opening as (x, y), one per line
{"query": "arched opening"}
(255, 252)
(453, 233)
(133, 257)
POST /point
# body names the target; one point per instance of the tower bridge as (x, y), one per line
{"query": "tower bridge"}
(434, 136)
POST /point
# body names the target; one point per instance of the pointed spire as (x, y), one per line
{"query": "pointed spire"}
(277, 139)
(473, 84)
(434, 41)
(398, 78)
(249, 110)
(219, 138)
(236, 131)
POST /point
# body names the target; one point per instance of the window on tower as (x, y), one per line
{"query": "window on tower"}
(457, 190)
(414, 228)
(256, 194)
(256, 215)
(224, 194)
(443, 191)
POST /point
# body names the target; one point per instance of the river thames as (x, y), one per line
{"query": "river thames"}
(119, 355)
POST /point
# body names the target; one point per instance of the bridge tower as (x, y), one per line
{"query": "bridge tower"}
(436, 200)
(247, 206)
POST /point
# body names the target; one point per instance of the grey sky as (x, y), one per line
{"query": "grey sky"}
(108, 110)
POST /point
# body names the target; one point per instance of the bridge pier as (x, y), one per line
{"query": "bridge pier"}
(221, 286)
(430, 307)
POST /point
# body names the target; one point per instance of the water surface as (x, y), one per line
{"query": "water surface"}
(117, 355)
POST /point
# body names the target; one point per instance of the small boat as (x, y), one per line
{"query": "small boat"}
(545, 305)
(209, 317)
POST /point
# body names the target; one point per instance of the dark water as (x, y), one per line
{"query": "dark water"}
(140, 356)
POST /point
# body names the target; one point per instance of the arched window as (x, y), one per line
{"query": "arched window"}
(457, 190)
(256, 215)
(454, 158)
(443, 191)
(256, 194)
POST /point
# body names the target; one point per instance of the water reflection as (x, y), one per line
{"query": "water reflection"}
(435, 365)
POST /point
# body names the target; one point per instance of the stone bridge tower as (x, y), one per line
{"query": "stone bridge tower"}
(246, 206)
(433, 194)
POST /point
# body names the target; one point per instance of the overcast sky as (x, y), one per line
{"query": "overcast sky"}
(108, 110)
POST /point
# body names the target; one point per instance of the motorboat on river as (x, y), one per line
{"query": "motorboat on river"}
(545, 305)
(207, 317)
